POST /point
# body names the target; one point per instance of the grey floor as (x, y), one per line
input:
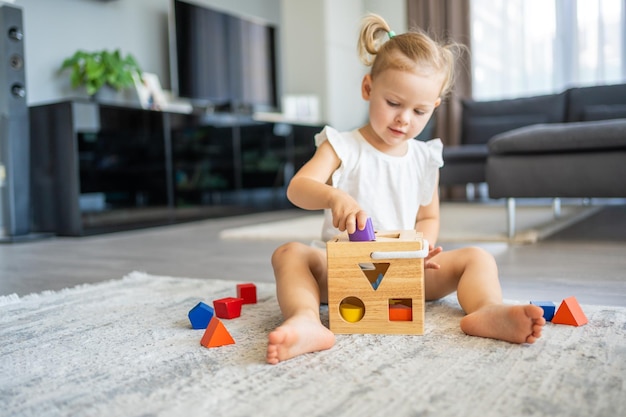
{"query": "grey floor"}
(587, 260)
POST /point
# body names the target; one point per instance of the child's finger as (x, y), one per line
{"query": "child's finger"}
(431, 265)
(361, 219)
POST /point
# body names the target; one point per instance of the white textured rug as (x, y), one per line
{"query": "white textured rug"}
(125, 348)
(460, 222)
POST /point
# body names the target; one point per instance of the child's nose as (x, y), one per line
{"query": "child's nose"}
(403, 117)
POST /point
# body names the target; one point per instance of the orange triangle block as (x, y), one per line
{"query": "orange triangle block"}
(216, 334)
(569, 312)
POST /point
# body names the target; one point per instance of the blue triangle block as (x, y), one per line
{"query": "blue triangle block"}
(378, 281)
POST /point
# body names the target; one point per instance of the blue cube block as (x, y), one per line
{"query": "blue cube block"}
(548, 308)
(201, 315)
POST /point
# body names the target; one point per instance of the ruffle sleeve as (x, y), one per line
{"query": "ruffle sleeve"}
(328, 133)
(337, 141)
(434, 161)
(322, 136)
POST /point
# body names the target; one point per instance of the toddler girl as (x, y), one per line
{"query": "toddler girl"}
(380, 171)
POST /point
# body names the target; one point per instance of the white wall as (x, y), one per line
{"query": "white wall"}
(394, 12)
(317, 43)
(320, 53)
(345, 107)
(302, 48)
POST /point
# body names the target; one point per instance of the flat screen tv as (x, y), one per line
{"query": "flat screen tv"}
(222, 60)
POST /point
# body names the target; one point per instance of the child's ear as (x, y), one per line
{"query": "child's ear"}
(366, 87)
(438, 102)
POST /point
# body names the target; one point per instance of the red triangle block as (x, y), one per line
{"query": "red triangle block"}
(216, 335)
(570, 313)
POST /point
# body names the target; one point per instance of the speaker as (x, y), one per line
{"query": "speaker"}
(14, 126)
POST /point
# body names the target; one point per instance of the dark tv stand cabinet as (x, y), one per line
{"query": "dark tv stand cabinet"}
(98, 168)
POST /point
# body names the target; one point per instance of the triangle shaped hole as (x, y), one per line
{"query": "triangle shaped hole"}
(374, 272)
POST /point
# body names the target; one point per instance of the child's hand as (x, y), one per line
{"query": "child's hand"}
(428, 264)
(347, 214)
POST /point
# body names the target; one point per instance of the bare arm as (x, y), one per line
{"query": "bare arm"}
(309, 189)
(427, 222)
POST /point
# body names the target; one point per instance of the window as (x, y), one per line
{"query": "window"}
(529, 47)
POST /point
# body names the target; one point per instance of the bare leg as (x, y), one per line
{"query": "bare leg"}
(300, 272)
(474, 275)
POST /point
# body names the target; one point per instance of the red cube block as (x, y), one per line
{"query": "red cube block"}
(247, 292)
(228, 308)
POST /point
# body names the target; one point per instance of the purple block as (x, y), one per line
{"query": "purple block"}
(365, 235)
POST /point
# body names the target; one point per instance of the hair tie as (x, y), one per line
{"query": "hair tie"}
(391, 34)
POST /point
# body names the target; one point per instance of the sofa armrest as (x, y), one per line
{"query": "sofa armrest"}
(561, 137)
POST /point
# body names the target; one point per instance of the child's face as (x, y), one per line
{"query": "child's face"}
(401, 103)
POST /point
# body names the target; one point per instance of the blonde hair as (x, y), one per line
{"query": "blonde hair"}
(382, 49)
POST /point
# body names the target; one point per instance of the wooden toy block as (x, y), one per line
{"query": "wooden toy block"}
(200, 315)
(548, 308)
(354, 278)
(350, 312)
(228, 308)
(400, 310)
(570, 313)
(365, 235)
(216, 335)
(247, 292)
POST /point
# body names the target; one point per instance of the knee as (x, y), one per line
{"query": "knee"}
(476, 254)
(286, 251)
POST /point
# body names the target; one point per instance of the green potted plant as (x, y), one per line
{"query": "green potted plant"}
(94, 70)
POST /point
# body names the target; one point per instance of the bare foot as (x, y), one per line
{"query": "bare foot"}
(297, 336)
(511, 323)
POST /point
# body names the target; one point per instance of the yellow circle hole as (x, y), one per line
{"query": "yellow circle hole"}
(351, 309)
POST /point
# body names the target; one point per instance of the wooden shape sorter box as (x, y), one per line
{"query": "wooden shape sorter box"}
(354, 282)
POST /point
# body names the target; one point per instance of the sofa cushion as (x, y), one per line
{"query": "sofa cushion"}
(597, 136)
(579, 99)
(481, 129)
(604, 112)
(481, 120)
(465, 153)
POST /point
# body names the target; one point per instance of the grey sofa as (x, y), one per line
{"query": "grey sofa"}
(481, 120)
(579, 160)
(571, 144)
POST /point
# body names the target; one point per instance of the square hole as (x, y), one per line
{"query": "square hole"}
(400, 309)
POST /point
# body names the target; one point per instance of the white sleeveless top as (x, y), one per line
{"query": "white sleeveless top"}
(390, 189)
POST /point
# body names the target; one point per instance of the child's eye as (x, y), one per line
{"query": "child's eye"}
(392, 103)
(419, 112)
